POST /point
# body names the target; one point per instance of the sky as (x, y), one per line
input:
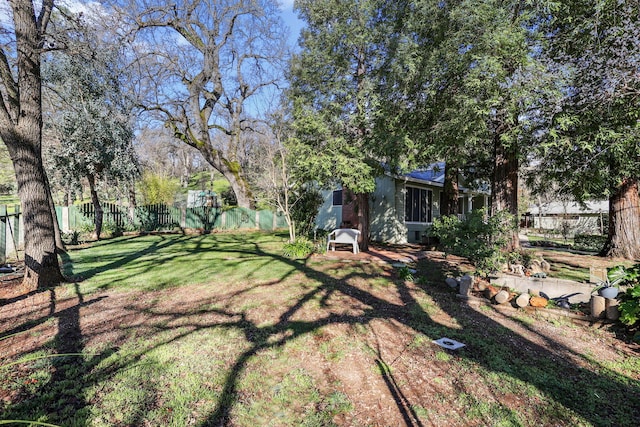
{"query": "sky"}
(291, 20)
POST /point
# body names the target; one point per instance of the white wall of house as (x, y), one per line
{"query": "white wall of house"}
(329, 216)
(387, 222)
(387, 210)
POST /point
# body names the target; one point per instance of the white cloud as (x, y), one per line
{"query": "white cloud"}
(286, 5)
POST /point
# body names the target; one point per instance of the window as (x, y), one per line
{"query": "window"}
(417, 206)
(337, 198)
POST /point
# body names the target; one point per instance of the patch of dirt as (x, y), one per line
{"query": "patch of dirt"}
(373, 344)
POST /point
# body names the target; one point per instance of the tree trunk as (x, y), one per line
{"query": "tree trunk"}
(451, 190)
(132, 203)
(362, 212)
(240, 188)
(504, 186)
(96, 206)
(232, 171)
(623, 240)
(41, 262)
(21, 131)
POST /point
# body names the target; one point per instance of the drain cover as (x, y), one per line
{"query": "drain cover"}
(448, 343)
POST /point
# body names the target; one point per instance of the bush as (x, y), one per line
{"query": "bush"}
(589, 242)
(628, 278)
(305, 210)
(478, 238)
(301, 248)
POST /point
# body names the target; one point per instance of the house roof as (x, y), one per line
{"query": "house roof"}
(433, 173)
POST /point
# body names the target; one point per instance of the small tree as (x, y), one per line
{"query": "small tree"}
(279, 182)
(88, 117)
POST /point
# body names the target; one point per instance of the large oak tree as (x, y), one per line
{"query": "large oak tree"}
(21, 131)
(206, 65)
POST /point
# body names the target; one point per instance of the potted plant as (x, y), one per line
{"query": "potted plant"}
(610, 287)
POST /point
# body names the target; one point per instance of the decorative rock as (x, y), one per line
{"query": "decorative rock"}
(451, 282)
(538, 302)
(490, 291)
(546, 267)
(523, 300)
(611, 308)
(465, 285)
(481, 285)
(534, 292)
(502, 297)
(517, 269)
(598, 306)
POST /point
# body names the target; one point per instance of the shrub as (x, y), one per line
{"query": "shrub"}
(629, 300)
(71, 238)
(300, 248)
(630, 306)
(305, 210)
(478, 238)
(589, 242)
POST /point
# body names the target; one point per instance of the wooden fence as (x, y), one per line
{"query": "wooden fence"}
(10, 231)
(152, 217)
(163, 217)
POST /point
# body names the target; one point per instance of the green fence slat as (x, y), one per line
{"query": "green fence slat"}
(265, 220)
(3, 234)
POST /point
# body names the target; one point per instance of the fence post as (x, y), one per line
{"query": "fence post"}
(16, 229)
(3, 234)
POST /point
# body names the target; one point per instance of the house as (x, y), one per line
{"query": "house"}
(591, 217)
(402, 207)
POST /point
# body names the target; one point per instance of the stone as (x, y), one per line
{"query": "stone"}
(538, 302)
(517, 269)
(523, 300)
(611, 308)
(598, 306)
(451, 282)
(502, 297)
(490, 291)
(465, 285)
(546, 267)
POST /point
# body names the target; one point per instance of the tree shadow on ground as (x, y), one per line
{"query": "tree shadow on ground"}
(489, 345)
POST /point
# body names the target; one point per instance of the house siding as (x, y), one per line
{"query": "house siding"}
(387, 222)
(387, 209)
(329, 216)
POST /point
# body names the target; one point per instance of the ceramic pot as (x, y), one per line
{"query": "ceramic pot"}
(609, 292)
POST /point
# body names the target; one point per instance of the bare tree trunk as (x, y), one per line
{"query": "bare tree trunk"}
(132, 202)
(362, 211)
(233, 173)
(21, 131)
(623, 239)
(451, 190)
(41, 261)
(96, 206)
(504, 186)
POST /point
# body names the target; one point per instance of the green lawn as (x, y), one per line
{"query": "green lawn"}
(160, 261)
(221, 329)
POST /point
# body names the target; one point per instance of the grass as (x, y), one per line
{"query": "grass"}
(222, 330)
(159, 261)
(11, 199)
